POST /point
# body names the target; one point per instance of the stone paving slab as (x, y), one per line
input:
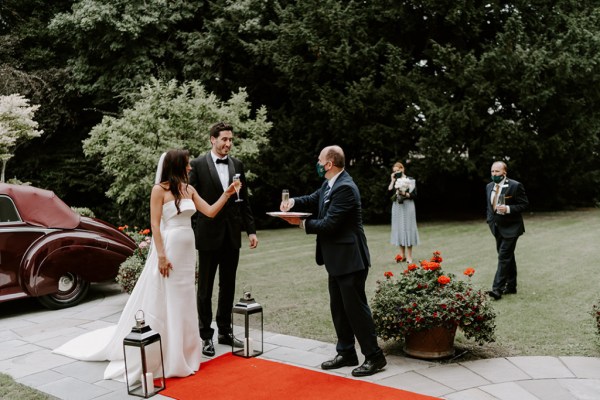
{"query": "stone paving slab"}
(547, 389)
(496, 370)
(583, 367)
(454, 376)
(73, 389)
(415, 382)
(542, 367)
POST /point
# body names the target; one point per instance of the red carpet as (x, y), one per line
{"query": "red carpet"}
(230, 377)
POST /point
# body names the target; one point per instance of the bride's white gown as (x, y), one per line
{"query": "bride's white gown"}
(168, 305)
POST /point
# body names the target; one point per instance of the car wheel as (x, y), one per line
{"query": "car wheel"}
(71, 290)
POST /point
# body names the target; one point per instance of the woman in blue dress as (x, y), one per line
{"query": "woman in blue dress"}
(404, 218)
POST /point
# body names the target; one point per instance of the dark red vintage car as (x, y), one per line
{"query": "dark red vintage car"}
(50, 252)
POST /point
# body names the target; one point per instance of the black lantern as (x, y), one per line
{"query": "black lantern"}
(143, 356)
(247, 319)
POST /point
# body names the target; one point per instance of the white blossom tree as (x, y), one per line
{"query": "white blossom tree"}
(16, 126)
(168, 114)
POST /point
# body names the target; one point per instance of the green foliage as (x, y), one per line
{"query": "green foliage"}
(131, 269)
(84, 212)
(119, 44)
(425, 297)
(167, 115)
(446, 87)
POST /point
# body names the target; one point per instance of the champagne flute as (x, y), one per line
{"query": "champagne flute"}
(501, 201)
(236, 181)
(285, 197)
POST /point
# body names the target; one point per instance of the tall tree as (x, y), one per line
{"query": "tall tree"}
(167, 115)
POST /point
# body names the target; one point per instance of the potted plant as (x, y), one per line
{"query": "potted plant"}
(596, 314)
(422, 302)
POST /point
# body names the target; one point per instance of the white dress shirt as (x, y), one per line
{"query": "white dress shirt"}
(222, 170)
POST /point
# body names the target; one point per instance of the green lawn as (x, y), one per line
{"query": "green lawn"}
(557, 268)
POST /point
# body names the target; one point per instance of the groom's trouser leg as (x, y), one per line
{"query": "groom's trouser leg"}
(228, 264)
(207, 270)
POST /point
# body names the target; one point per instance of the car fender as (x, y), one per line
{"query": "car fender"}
(92, 256)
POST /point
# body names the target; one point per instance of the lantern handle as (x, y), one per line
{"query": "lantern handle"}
(139, 319)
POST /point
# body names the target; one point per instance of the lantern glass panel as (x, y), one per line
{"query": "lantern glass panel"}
(247, 321)
(143, 362)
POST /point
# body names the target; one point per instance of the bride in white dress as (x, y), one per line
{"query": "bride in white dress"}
(165, 291)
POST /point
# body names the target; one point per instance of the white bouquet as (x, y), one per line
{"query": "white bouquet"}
(403, 185)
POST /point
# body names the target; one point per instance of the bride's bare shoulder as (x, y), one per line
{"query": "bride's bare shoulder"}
(189, 191)
(160, 187)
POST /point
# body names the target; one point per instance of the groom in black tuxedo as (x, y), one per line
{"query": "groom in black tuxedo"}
(506, 223)
(342, 248)
(218, 239)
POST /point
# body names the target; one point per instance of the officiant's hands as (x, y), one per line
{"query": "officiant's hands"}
(286, 206)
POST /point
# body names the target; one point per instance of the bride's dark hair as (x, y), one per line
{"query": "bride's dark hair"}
(174, 171)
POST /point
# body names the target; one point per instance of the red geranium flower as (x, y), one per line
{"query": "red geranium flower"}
(388, 274)
(443, 280)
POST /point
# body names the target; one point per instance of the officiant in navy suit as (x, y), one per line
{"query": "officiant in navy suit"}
(218, 239)
(506, 200)
(342, 247)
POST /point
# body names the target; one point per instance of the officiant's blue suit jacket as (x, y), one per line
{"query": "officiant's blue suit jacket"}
(508, 225)
(337, 222)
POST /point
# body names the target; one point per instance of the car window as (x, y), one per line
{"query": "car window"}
(8, 211)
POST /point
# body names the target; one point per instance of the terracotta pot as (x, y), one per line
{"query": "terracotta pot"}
(430, 344)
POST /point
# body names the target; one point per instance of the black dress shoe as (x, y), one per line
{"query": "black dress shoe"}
(340, 361)
(229, 340)
(208, 349)
(370, 366)
(509, 291)
(495, 295)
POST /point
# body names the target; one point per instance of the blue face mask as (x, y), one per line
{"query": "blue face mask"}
(497, 178)
(320, 170)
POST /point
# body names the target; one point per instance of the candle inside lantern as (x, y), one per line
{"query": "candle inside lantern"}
(248, 347)
(148, 383)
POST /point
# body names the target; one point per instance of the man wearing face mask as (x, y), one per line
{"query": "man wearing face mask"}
(506, 200)
(342, 248)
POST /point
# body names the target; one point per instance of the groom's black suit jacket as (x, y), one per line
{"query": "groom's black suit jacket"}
(225, 228)
(341, 240)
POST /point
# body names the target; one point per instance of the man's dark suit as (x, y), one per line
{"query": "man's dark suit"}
(507, 228)
(218, 241)
(342, 248)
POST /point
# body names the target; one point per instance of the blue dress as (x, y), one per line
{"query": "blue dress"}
(404, 221)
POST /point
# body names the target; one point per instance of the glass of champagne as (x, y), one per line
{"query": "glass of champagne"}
(285, 197)
(236, 181)
(501, 201)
